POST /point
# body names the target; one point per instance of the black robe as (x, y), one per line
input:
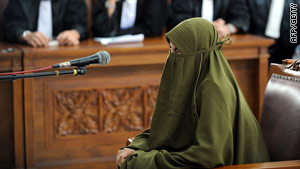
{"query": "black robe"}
(232, 11)
(21, 15)
(282, 48)
(150, 19)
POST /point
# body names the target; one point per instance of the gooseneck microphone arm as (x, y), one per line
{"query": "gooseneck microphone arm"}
(76, 72)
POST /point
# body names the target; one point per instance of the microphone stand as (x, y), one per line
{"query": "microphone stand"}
(75, 72)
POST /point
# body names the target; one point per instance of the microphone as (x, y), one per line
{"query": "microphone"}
(100, 58)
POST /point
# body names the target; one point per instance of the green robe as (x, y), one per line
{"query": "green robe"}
(201, 118)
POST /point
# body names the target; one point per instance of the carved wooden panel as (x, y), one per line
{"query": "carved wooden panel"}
(77, 112)
(152, 92)
(123, 109)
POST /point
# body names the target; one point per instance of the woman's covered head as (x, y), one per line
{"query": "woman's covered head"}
(193, 35)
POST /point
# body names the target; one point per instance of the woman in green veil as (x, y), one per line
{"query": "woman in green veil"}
(201, 118)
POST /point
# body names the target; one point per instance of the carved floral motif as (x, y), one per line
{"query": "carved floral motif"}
(122, 109)
(77, 112)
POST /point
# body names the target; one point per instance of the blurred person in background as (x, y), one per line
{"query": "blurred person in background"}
(36, 22)
(272, 18)
(228, 16)
(120, 17)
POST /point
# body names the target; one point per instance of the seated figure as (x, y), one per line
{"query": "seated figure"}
(201, 118)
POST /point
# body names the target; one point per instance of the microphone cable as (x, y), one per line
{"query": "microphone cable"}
(27, 71)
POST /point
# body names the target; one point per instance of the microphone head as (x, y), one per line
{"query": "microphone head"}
(103, 57)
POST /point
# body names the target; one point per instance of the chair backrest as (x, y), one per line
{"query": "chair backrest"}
(288, 68)
(280, 118)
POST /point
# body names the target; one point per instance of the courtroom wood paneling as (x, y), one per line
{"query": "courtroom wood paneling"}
(246, 72)
(87, 118)
(6, 125)
(19, 132)
(81, 122)
(11, 114)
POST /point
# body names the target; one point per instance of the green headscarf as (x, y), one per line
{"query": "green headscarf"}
(201, 119)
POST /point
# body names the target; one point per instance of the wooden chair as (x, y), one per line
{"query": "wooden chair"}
(280, 118)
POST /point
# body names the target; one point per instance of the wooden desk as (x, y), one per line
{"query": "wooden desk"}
(271, 165)
(10, 58)
(11, 100)
(81, 122)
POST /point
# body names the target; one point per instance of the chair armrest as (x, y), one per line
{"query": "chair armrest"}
(288, 61)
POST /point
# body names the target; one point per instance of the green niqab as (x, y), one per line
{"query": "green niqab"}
(201, 119)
